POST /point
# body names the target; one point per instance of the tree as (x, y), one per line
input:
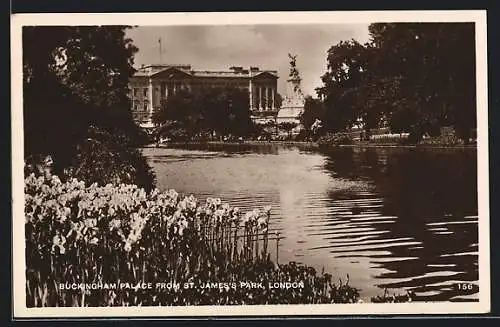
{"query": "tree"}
(435, 90)
(347, 65)
(183, 107)
(278, 100)
(404, 74)
(93, 62)
(313, 109)
(240, 123)
(221, 110)
(75, 77)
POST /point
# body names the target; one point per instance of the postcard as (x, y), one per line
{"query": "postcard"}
(250, 164)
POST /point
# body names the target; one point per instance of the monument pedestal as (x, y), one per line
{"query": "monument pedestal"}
(289, 115)
(293, 104)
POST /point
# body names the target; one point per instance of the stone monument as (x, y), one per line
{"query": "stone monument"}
(293, 103)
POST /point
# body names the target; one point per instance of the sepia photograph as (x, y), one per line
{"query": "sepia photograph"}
(250, 164)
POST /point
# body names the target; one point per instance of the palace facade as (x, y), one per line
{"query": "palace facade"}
(151, 85)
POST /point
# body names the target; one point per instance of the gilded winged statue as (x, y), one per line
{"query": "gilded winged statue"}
(294, 73)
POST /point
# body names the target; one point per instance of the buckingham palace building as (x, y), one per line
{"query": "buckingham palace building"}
(151, 85)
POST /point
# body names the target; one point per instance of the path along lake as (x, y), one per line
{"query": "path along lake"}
(395, 218)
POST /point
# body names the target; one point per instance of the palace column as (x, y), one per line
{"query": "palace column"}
(268, 97)
(150, 96)
(250, 92)
(272, 98)
(264, 89)
(260, 98)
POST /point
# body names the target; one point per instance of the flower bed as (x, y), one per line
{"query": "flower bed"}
(389, 138)
(121, 235)
(331, 139)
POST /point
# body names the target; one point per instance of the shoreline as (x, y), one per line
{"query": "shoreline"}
(315, 145)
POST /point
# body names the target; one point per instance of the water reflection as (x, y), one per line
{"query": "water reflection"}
(234, 148)
(433, 196)
(390, 218)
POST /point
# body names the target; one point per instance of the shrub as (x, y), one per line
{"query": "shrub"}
(335, 139)
(86, 235)
(394, 298)
(104, 158)
(400, 139)
(447, 137)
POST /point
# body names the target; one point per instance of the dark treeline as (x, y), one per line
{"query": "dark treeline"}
(206, 110)
(76, 105)
(411, 77)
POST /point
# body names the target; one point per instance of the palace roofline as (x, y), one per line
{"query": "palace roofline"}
(238, 72)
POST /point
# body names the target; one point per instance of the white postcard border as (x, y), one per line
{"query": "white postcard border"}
(239, 18)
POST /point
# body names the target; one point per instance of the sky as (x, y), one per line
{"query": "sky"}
(218, 47)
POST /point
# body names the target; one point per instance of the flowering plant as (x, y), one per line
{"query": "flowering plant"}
(80, 233)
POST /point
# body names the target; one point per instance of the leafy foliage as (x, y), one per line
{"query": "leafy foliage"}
(288, 127)
(278, 100)
(335, 139)
(404, 77)
(313, 109)
(105, 158)
(221, 110)
(394, 298)
(76, 77)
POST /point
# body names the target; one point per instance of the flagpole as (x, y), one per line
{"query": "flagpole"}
(159, 41)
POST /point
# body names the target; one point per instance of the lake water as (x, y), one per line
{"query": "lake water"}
(390, 218)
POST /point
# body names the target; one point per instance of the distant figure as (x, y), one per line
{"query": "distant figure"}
(356, 210)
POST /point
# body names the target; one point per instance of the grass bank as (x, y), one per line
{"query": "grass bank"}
(316, 145)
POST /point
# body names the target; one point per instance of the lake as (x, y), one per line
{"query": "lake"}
(389, 218)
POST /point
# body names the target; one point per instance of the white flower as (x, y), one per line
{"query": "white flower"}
(183, 224)
(173, 194)
(248, 216)
(114, 224)
(182, 205)
(262, 221)
(58, 241)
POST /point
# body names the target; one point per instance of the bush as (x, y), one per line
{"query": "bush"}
(399, 139)
(104, 158)
(335, 139)
(447, 137)
(95, 235)
(394, 298)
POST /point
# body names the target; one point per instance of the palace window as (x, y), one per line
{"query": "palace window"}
(136, 92)
(145, 92)
(145, 107)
